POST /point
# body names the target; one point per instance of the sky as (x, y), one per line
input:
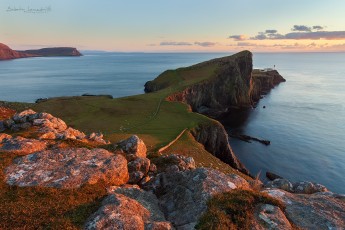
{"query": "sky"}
(175, 25)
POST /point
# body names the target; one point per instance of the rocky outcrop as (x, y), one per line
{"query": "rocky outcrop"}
(68, 168)
(263, 81)
(48, 127)
(20, 145)
(215, 140)
(129, 208)
(267, 216)
(6, 53)
(323, 210)
(304, 187)
(53, 52)
(183, 195)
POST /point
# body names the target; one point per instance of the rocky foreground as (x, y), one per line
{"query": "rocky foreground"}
(165, 192)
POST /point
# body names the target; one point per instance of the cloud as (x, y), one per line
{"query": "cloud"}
(301, 28)
(175, 44)
(317, 28)
(328, 35)
(271, 31)
(205, 44)
(240, 37)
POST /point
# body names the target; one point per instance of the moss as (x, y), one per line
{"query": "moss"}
(233, 210)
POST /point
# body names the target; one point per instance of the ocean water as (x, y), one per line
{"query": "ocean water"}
(304, 117)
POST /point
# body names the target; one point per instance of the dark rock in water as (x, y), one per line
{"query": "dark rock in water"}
(248, 139)
(272, 176)
(68, 168)
(264, 107)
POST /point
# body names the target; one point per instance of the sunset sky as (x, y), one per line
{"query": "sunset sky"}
(175, 25)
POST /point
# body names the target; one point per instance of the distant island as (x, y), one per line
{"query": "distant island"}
(6, 53)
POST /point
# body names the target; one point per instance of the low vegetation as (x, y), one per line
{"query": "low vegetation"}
(233, 210)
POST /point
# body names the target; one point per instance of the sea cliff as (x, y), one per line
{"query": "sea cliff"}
(6, 53)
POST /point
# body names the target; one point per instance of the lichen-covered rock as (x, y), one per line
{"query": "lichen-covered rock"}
(129, 208)
(22, 117)
(20, 145)
(4, 136)
(71, 133)
(183, 195)
(133, 145)
(307, 187)
(98, 137)
(68, 168)
(283, 184)
(137, 169)
(174, 163)
(324, 210)
(267, 216)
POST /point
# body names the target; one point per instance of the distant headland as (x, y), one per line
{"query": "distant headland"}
(6, 53)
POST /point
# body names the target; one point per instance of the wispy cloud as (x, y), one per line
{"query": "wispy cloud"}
(240, 37)
(301, 28)
(176, 44)
(301, 32)
(205, 44)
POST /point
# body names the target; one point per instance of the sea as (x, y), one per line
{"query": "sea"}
(304, 117)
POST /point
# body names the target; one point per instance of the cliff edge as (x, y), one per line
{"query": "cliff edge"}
(6, 53)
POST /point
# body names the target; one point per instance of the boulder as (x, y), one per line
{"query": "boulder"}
(8, 123)
(68, 168)
(183, 195)
(129, 208)
(324, 210)
(283, 184)
(4, 136)
(307, 187)
(267, 216)
(98, 137)
(22, 117)
(20, 145)
(137, 169)
(272, 176)
(133, 145)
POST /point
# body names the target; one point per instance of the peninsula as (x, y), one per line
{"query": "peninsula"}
(6, 53)
(156, 161)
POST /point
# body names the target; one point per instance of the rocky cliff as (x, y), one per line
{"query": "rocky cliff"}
(215, 140)
(6, 53)
(50, 52)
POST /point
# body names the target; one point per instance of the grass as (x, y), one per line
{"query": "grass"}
(233, 210)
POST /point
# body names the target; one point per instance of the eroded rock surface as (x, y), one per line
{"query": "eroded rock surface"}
(323, 210)
(129, 208)
(20, 145)
(133, 145)
(304, 187)
(267, 216)
(183, 195)
(68, 168)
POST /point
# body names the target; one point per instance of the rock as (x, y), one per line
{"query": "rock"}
(133, 145)
(8, 123)
(129, 209)
(175, 163)
(68, 168)
(23, 116)
(272, 176)
(283, 184)
(4, 136)
(20, 145)
(135, 177)
(153, 168)
(307, 187)
(2, 126)
(183, 195)
(20, 126)
(315, 211)
(267, 216)
(139, 164)
(71, 133)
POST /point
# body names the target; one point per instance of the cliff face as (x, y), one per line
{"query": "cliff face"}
(6, 53)
(215, 140)
(263, 81)
(59, 51)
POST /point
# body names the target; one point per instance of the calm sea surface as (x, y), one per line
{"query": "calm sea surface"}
(304, 117)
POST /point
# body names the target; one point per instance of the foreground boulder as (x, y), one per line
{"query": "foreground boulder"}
(183, 195)
(133, 145)
(20, 145)
(129, 208)
(68, 168)
(323, 210)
